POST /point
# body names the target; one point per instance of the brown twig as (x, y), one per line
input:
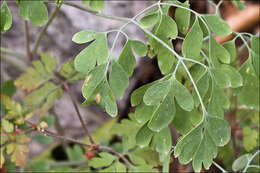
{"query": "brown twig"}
(67, 88)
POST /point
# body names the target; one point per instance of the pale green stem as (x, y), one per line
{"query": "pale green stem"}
(250, 160)
(219, 167)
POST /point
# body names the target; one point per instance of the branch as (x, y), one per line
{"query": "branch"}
(43, 31)
(66, 86)
(27, 43)
(96, 13)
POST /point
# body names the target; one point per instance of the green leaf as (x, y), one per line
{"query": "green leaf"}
(35, 11)
(105, 159)
(45, 140)
(149, 20)
(249, 94)
(13, 108)
(50, 120)
(95, 77)
(218, 102)
(118, 79)
(230, 46)
(84, 36)
(218, 52)
(137, 95)
(163, 113)
(192, 43)
(97, 5)
(68, 71)
(235, 78)
(143, 113)
(219, 130)
(200, 144)
(182, 17)
(139, 47)
(203, 86)
(96, 52)
(255, 54)
(240, 4)
(8, 88)
(127, 59)
(183, 96)
(250, 138)
(167, 27)
(184, 121)
(75, 153)
(162, 142)
(217, 25)
(6, 125)
(157, 92)
(144, 136)
(241, 162)
(221, 78)
(6, 17)
(41, 72)
(40, 166)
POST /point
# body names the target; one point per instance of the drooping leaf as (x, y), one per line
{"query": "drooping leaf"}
(144, 136)
(182, 17)
(97, 5)
(105, 159)
(217, 25)
(183, 96)
(162, 142)
(218, 52)
(241, 162)
(230, 46)
(6, 17)
(118, 79)
(255, 54)
(149, 20)
(35, 11)
(127, 59)
(192, 43)
(157, 92)
(163, 113)
(41, 72)
(139, 47)
(96, 52)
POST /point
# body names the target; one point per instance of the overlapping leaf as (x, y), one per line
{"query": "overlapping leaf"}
(182, 17)
(200, 144)
(217, 25)
(35, 11)
(6, 17)
(41, 72)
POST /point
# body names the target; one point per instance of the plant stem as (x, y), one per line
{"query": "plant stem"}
(27, 41)
(219, 167)
(67, 88)
(250, 160)
(43, 31)
(96, 13)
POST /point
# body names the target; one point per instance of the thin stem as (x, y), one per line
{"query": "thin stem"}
(27, 41)
(250, 160)
(96, 13)
(194, 61)
(66, 86)
(219, 167)
(43, 31)
(176, 68)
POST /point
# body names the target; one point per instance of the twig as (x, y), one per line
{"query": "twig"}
(27, 43)
(43, 31)
(219, 167)
(250, 160)
(66, 86)
(96, 13)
